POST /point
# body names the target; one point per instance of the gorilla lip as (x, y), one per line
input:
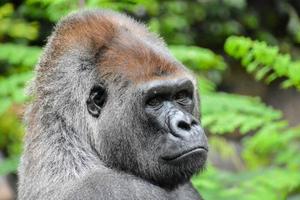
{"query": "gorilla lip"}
(185, 154)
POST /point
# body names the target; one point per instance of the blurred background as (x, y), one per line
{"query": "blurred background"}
(246, 55)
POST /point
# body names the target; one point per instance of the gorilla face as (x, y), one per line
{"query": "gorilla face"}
(150, 129)
(169, 106)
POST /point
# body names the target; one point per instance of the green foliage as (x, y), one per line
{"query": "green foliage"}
(9, 165)
(16, 63)
(25, 56)
(198, 58)
(264, 61)
(225, 113)
(205, 85)
(267, 157)
(11, 90)
(267, 141)
(52, 10)
(14, 27)
(270, 183)
(11, 137)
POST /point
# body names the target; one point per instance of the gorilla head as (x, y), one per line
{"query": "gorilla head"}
(109, 94)
(145, 108)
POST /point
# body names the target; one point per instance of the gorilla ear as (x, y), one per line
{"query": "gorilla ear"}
(96, 100)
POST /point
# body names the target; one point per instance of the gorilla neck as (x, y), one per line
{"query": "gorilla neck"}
(168, 180)
(171, 183)
(58, 152)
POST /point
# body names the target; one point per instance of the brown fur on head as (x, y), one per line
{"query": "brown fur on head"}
(130, 50)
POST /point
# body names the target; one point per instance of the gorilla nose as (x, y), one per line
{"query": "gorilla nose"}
(181, 124)
(184, 125)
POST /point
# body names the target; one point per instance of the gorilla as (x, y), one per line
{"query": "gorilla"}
(113, 116)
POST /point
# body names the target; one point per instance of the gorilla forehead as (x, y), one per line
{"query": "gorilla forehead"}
(116, 44)
(139, 62)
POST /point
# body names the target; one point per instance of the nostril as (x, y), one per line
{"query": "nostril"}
(183, 125)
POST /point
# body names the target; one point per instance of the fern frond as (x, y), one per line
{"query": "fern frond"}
(264, 61)
(224, 113)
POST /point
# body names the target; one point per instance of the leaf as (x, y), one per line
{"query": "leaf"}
(9, 165)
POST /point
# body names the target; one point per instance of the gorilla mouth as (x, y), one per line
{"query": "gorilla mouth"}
(178, 157)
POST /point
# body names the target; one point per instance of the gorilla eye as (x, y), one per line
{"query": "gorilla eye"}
(99, 98)
(96, 100)
(155, 101)
(183, 97)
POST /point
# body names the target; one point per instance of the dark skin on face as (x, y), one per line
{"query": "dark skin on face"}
(169, 105)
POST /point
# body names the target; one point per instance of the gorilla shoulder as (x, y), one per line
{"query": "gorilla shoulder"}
(100, 185)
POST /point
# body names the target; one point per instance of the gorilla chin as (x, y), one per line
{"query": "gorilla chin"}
(185, 156)
(178, 167)
(177, 170)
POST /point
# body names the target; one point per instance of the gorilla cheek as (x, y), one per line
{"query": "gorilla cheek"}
(114, 150)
